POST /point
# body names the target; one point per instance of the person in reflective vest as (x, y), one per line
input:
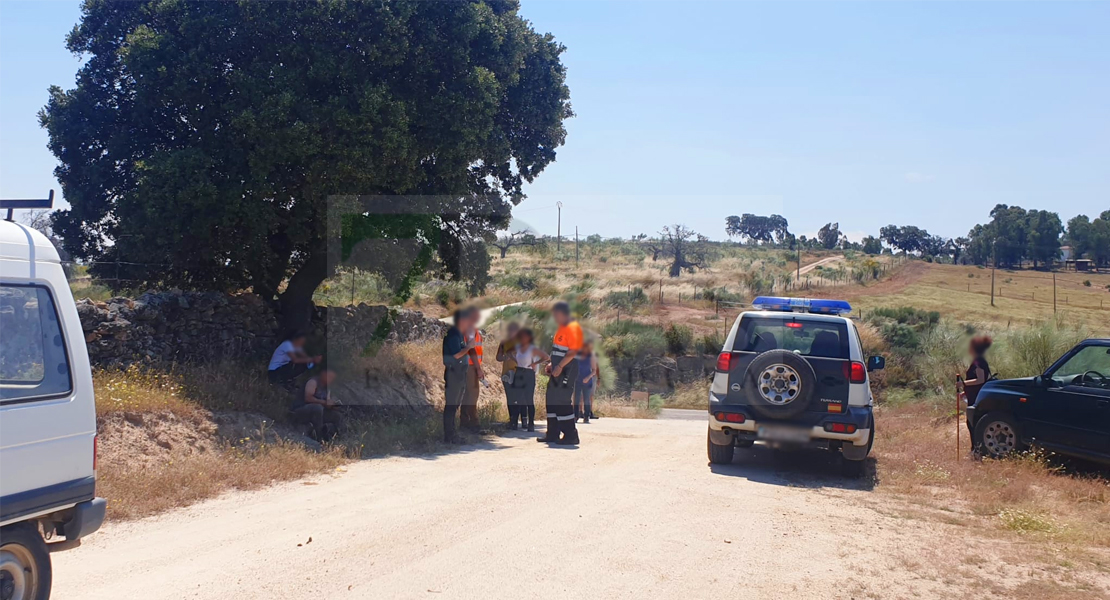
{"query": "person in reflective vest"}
(562, 372)
(468, 414)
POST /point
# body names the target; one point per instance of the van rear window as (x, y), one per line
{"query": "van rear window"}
(33, 360)
(819, 339)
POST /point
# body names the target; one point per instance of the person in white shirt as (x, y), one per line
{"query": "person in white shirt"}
(523, 389)
(290, 360)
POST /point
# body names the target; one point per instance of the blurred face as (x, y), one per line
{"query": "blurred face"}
(298, 341)
(561, 318)
(525, 340)
(327, 377)
(514, 329)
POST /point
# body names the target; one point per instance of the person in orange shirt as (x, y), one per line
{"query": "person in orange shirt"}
(475, 376)
(563, 374)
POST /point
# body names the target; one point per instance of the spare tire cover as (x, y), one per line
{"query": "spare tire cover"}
(779, 384)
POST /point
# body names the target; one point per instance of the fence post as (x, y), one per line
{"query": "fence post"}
(717, 308)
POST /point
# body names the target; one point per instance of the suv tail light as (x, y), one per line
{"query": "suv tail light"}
(840, 427)
(724, 362)
(730, 417)
(855, 372)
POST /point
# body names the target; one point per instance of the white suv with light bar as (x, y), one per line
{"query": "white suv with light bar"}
(792, 374)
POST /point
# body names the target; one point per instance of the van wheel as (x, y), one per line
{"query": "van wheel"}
(24, 564)
(997, 435)
(718, 455)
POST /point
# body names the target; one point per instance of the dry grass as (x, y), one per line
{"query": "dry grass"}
(1022, 297)
(135, 493)
(1033, 497)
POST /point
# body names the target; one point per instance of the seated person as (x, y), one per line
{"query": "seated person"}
(315, 407)
(290, 360)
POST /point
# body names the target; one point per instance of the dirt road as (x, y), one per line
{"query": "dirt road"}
(635, 512)
(821, 263)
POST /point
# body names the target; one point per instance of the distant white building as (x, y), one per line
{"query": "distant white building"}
(1065, 253)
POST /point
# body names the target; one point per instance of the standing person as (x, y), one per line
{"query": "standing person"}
(563, 374)
(290, 360)
(455, 365)
(587, 382)
(528, 358)
(475, 376)
(506, 355)
(315, 407)
(978, 372)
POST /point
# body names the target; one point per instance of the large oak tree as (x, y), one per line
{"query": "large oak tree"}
(206, 141)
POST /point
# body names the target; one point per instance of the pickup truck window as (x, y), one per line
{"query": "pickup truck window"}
(1092, 359)
(33, 359)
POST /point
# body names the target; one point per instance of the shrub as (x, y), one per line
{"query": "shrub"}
(626, 300)
(450, 294)
(630, 339)
(711, 343)
(1087, 282)
(714, 294)
(1029, 351)
(679, 338)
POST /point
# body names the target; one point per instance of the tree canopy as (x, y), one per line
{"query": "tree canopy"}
(211, 139)
(758, 229)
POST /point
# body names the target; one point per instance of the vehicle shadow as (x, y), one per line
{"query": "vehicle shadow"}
(808, 468)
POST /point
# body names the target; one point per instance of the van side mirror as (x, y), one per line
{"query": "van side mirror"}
(876, 363)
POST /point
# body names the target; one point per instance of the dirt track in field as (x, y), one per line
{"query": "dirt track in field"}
(635, 512)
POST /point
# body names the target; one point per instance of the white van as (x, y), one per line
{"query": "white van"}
(47, 416)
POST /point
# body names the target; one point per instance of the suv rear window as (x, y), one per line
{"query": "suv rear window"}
(33, 361)
(820, 339)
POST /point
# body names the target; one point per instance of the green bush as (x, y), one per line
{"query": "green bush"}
(711, 343)
(450, 293)
(680, 338)
(630, 339)
(714, 294)
(1029, 351)
(626, 300)
(1087, 282)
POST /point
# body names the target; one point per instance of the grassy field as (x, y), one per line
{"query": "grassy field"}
(1022, 298)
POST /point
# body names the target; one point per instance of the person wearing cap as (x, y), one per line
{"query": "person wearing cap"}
(562, 374)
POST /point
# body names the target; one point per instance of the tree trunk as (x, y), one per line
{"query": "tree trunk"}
(503, 250)
(296, 301)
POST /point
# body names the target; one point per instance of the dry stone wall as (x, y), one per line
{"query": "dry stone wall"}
(208, 326)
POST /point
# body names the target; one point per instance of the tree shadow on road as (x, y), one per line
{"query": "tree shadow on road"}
(801, 468)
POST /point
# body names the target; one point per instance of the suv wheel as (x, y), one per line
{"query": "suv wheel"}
(997, 435)
(718, 455)
(24, 564)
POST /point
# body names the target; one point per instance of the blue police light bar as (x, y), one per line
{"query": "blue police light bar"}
(819, 306)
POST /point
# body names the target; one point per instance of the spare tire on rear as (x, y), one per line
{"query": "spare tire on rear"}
(779, 384)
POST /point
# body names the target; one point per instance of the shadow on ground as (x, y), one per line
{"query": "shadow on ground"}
(795, 468)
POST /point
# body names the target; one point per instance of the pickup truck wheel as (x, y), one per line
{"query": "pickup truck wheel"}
(719, 455)
(997, 435)
(24, 564)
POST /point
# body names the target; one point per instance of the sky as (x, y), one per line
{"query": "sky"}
(862, 113)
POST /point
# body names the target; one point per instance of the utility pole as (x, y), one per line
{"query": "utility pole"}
(1054, 292)
(994, 263)
(559, 228)
(575, 246)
